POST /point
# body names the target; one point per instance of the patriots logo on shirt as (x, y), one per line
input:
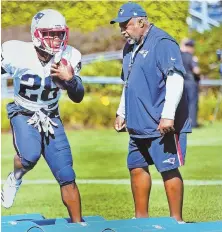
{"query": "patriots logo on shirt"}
(143, 53)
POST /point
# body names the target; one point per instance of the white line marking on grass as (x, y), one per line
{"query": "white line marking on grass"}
(121, 182)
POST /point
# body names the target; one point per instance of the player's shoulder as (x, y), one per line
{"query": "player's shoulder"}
(72, 54)
(16, 45)
(13, 49)
(72, 51)
(161, 34)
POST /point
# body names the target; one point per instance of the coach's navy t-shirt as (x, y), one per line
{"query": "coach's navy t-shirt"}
(145, 80)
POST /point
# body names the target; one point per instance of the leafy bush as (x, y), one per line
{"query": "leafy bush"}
(208, 101)
(102, 68)
(4, 119)
(95, 111)
(104, 90)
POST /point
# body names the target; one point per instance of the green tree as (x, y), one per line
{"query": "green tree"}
(206, 46)
(87, 16)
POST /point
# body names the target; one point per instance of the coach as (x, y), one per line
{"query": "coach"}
(153, 108)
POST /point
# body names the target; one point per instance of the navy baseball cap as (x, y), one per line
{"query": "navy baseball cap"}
(190, 43)
(127, 11)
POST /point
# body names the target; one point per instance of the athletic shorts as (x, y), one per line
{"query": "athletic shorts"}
(166, 152)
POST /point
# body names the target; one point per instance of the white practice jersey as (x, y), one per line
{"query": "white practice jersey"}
(33, 86)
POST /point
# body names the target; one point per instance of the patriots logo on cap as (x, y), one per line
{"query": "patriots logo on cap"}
(121, 11)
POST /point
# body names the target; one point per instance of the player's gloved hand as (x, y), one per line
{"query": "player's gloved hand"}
(35, 121)
(47, 126)
(42, 122)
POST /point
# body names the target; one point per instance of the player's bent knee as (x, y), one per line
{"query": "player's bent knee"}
(66, 175)
(28, 165)
(29, 158)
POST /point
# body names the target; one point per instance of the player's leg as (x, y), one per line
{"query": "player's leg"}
(27, 143)
(138, 159)
(168, 153)
(59, 158)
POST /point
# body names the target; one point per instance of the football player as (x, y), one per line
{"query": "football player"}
(40, 69)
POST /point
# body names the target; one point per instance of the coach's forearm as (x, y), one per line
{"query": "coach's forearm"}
(75, 89)
(174, 91)
(121, 109)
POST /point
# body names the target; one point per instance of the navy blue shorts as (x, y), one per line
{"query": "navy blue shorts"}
(30, 144)
(166, 153)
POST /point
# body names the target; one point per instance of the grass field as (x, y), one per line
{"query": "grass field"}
(101, 154)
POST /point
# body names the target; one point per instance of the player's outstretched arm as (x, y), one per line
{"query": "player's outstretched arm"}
(75, 89)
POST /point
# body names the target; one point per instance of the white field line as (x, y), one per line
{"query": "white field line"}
(121, 182)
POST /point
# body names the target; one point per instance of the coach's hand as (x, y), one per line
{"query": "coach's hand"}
(119, 123)
(166, 126)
